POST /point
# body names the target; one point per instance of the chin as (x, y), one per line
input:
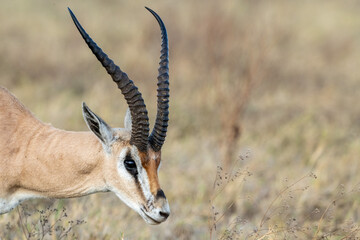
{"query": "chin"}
(151, 222)
(150, 219)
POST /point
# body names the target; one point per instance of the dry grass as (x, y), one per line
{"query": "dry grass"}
(302, 114)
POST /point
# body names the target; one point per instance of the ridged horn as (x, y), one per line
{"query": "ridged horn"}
(158, 134)
(139, 114)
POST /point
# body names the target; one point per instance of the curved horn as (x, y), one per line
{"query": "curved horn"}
(158, 134)
(139, 115)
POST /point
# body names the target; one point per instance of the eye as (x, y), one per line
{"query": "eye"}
(130, 165)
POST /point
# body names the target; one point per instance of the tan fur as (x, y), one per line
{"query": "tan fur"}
(38, 160)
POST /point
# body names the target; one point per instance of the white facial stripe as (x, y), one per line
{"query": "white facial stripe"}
(142, 176)
(159, 168)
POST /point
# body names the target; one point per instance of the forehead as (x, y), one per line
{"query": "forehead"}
(146, 158)
(122, 134)
(149, 157)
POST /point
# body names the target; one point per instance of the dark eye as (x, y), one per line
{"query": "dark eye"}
(130, 165)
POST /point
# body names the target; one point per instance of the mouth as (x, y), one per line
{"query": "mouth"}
(149, 219)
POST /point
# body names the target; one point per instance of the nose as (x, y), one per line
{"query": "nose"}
(160, 194)
(164, 214)
(162, 203)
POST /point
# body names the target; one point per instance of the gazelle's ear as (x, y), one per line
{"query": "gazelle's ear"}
(98, 126)
(127, 120)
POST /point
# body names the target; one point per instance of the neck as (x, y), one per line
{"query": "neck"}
(62, 164)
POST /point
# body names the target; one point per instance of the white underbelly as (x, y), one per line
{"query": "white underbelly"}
(8, 204)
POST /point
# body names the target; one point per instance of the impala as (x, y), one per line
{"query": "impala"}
(40, 161)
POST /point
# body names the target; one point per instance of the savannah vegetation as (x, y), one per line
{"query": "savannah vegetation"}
(264, 133)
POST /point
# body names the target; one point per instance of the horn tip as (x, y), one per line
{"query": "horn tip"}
(70, 11)
(151, 11)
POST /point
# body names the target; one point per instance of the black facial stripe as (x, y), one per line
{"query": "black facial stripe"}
(138, 186)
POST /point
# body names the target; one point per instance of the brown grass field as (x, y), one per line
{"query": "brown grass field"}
(264, 136)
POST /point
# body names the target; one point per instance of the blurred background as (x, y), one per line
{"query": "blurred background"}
(264, 134)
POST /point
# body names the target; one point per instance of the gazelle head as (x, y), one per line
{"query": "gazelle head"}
(132, 157)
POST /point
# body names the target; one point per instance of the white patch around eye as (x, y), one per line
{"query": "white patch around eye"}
(121, 167)
(126, 193)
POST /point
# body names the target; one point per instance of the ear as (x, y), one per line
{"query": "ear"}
(127, 120)
(97, 126)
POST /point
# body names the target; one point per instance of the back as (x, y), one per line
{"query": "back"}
(15, 120)
(12, 112)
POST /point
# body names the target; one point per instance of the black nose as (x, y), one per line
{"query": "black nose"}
(164, 214)
(160, 194)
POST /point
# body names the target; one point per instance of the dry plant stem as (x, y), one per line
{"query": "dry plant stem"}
(223, 214)
(309, 216)
(225, 184)
(277, 208)
(322, 218)
(210, 231)
(210, 222)
(350, 234)
(270, 232)
(218, 192)
(231, 228)
(65, 233)
(42, 227)
(47, 224)
(23, 228)
(277, 197)
(52, 226)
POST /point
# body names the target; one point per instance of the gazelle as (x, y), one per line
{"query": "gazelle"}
(40, 161)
